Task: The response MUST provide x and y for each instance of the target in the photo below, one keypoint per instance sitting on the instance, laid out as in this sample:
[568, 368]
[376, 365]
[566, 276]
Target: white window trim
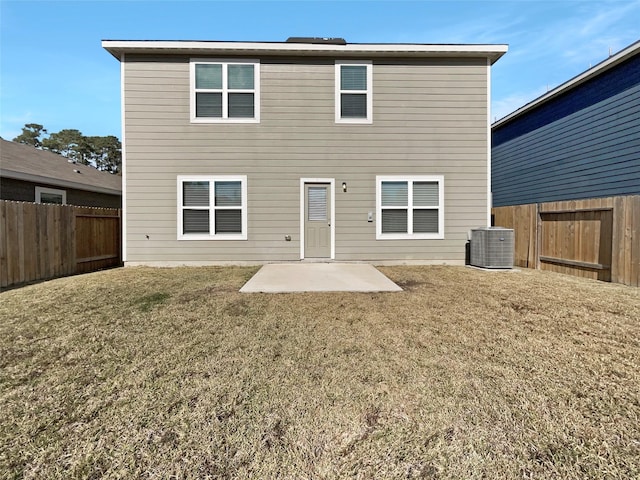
[50, 191]
[369, 91]
[410, 179]
[212, 179]
[225, 91]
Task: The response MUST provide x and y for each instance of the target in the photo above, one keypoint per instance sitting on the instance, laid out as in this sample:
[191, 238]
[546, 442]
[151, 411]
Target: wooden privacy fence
[595, 238]
[40, 241]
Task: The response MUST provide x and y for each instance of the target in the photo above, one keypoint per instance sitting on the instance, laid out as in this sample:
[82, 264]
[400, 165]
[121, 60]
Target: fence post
[538, 236]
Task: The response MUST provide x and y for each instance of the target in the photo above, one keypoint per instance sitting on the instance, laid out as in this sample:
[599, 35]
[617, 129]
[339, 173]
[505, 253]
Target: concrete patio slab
[319, 277]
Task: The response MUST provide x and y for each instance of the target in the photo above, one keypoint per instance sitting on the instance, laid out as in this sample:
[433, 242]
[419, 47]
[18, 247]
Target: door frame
[332, 193]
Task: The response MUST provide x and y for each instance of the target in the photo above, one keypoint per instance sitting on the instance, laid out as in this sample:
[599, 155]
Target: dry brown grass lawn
[170, 373]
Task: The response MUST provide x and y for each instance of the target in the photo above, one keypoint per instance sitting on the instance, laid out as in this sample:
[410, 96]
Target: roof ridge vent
[318, 40]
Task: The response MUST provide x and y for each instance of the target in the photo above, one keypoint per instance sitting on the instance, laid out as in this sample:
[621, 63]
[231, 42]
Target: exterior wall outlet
[370, 217]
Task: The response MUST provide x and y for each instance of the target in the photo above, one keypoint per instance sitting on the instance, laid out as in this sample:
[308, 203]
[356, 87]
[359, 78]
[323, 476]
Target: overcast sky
[53, 70]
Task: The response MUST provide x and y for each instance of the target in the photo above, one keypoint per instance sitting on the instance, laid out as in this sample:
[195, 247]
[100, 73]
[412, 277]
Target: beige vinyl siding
[429, 118]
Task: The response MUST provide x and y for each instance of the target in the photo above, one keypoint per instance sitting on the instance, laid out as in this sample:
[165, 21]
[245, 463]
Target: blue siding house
[579, 140]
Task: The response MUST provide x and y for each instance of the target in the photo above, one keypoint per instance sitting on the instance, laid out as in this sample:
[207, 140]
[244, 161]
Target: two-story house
[579, 140]
[254, 152]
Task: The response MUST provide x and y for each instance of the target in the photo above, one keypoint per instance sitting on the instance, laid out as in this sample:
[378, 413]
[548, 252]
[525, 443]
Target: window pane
[353, 77]
[353, 105]
[195, 194]
[228, 194]
[317, 204]
[208, 76]
[208, 104]
[240, 77]
[228, 221]
[395, 194]
[394, 221]
[425, 194]
[241, 105]
[425, 221]
[195, 221]
[50, 198]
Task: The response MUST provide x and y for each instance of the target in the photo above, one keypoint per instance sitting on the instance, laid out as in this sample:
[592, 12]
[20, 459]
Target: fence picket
[39, 241]
[593, 238]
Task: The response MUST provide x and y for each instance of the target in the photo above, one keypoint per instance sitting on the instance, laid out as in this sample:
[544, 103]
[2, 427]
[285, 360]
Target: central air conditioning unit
[492, 247]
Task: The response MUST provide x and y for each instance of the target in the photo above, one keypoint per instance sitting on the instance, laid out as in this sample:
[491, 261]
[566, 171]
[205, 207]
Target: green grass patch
[147, 302]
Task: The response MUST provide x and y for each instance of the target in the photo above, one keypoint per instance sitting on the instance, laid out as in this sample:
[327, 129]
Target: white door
[317, 220]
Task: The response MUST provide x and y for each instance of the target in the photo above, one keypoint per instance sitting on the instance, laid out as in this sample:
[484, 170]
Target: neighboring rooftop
[326, 40]
[601, 68]
[304, 46]
[24, 162]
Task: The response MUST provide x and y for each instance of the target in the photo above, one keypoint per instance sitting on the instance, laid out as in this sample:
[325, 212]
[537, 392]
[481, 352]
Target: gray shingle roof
[23, 162]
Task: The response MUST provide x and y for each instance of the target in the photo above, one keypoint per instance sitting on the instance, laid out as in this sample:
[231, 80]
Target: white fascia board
[488, 127]
[27, 177]
[123, 163]
[117, 47]
[603, 66]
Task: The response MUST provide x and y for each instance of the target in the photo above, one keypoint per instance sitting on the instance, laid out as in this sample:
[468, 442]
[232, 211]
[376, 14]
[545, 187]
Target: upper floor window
[410, 207]
[225, 91]
[354, 92]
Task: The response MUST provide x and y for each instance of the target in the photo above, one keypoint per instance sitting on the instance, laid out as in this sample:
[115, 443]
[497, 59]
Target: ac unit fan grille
[492, 247]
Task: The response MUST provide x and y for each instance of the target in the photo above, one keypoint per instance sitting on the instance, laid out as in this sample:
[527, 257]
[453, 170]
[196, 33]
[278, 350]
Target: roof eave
[28, 177]
[119, 47]
[603, 66]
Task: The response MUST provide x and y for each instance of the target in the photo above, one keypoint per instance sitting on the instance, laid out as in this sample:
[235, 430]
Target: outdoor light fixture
[344, 186]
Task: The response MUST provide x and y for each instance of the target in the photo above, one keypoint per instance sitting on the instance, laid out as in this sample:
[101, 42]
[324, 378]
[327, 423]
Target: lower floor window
[410, 207]
[212, 207]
